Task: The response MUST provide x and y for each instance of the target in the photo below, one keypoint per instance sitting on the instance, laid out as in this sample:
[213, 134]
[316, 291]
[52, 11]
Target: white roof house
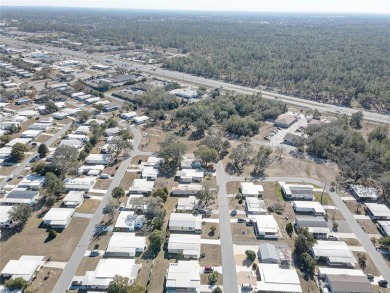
[19, 196]
[30, 133]
[153, 162]
[255, 206]
[378, 211]
[140, 120]
[60, 115]
[335, 252]
[128, 115]
[33, 182]
[72, 142]
[186, 204]
[298, 191]
[185, 222]
[18, 140]
[80, 184]
[5, 221]
[250, 189]
[185, 93]
[81, 137]
[183, 275]
[188, 245]
[125, 245]
[82, 130]
[275, 279]
[364, 193]
[25, 267]
[137, 202]
[189, 175]
[311, 207]
[323, 271]
[58, 217]
[39, 126]
[74, 198]
[128, 221]
[106, 270]
[384, 227]
[186, 189]
[316, 225]
[29, 113]
[142, 186]
[100, 159]
[149, 173]
[112, 131]
[266, 226]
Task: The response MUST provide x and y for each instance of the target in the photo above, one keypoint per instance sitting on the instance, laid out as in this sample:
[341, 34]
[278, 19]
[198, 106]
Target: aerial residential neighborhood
[120, 174]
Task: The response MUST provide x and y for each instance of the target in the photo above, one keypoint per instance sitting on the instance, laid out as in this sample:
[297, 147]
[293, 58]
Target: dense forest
[334, 59]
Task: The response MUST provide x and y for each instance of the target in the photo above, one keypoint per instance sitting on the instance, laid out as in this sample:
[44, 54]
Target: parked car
[370, 277]
[208, 269]
[240, 220]
[332, 237]
[233, 213]
[94, 252]
[104, 176]
[20, 176]
[10, 178]
[383, 283]
[250, 223]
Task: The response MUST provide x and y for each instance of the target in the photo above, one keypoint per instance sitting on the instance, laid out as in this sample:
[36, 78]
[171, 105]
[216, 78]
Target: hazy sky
[360, 6]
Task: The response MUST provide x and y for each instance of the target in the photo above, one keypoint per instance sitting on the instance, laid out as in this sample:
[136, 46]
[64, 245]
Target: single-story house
[384, 227]
[285, 120]
[78, 94]
[153, 162]
[324, 271]
[111, 107]
[292, 139]
[186, 204]
[185, 93]
[185, 222]
[308, 207]
[275, 279]
[72, 142]
[149, 173]
[60, 115]
[183, 276]
[346, 283]
[189, 162]
[140, 120]
[297, 191]
[142, 186]
[90, 169]
[25, 267]
[128, 115]
[128, 221]
[22, 101]
[58, 218]
[80, 137]
[268, 253]
[79, 184]
[189, 175]
[137, 203]
[82, 130]
[188, 245]
[30, 133]
[107, 269]
[336, 253]
[92, 100]
[265, 226]
[364, 193]
[124, 244]
[186, 189]
[33, 182]
[255, 206]
[19, 196]
[29, 113]
[18, 140]
[112, 131]
[378, 211]
[5, 221]
[19, 118]
[250, 189]
[39, 126]
[73, 199]
[71, 111]
[317, 226]
[99, 159]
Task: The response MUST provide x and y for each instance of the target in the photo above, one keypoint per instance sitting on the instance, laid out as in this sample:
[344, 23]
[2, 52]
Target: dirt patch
[354, 207]
[58, 249]
[351, 241]
[45, 280]
[127, 180]
[246, 277]
[6, 170]
[334, 214]
[206, 232]
[370, 267]
[102, 184]
[212, 255]
[368, 226]
[242, 233]
[87, 264]
[101, 240]
[165, 182]
[97, 148]
[308, 285]
[89, 206]
[159, 271]
[135, 160]
[233, 187]
[144, 274]
[151, 139]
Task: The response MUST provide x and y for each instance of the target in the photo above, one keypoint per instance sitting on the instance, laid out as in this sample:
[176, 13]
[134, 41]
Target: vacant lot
[6, 170]
[354, 207]
[159, 271]
[212, 255]
[241, 232]
[45, 280]
[165, 182]
[58, 249]
[102, 184]
[89, 206]
[102, 240]
[368, 226]
[128, 179]
[88, 264]
[370, 267]
[326, 200]
[43, 138]
[206, 231]
[138, 159]
[151, 139]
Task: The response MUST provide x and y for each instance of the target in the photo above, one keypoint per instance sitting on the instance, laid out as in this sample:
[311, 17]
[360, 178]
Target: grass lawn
[369, 226]
[6, 170]
[89, 206]
[102, 184]
[213, 255]
[43, 138]
[136, 159]
[351, 241]
[326, 200]
[45, 280]
[233, 187]
[241, 232]
[206, 232]
[127, 180]
[88, 264]
[102, 241]
[58, 249]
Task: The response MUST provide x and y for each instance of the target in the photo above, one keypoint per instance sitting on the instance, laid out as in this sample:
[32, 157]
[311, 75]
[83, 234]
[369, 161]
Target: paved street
[189, 79]
[26, 161]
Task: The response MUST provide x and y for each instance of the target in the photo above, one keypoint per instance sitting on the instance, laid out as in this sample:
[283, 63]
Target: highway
[195, 80]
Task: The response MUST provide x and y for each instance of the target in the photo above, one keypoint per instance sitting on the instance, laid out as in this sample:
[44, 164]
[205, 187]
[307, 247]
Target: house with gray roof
[268, 253]
[317, 226]
[347, 283]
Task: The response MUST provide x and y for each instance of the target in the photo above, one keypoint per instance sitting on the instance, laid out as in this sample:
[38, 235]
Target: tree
[385, 241]
[214, 141]
[362, 260]
[250, 254]
[4, 139]
[50, 107]
[213, 277]
[52, 234]
[304, 241]
[206, 196]
[206, 155]
[14, 129]
[16, 284]
[17, 151]
[43, 150]
[156, 239]
[158, 223]
[217, 290]
[308, 264]
[120, 145]
[213, 229]
[50, 201]
[65, 159]
[121, 284]
[172, 150]
[289, 229]
[316, 114]
[110, 208]
[20, 213]
[118, 192]
[161, 193]
[53, 184]
[83, 155]
[356, 120]
[261, 160]
[83, 116]
[240, 156]
[276, 207]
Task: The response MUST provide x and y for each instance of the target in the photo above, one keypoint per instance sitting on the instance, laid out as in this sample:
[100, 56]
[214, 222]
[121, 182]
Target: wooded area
[334, 59]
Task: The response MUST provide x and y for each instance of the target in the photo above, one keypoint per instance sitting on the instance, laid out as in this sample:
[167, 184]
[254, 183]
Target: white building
[99, 159]
[72, 142]
[185, 93]
[186, 204]
[74, 199]
[60, 115]
[188, 245]
[255, 206]
[189, 175]
[33, 182]
[82, 130]
[128, 221]
[31, 133]
[112, 131]
[18, 196]
[140, 120]
[58, 218]
[250, 189]
[378, 211]
[336, 253]
[138, 203]
[80, 137]
[153, 162]
[186, 189]
[25, 267]
[79, 184]
[183, 276]
[124, 244]
[5, 221]
[384, 227]
[129, 115]
[185, 222]
[39, 126]
[107, 269]
[18, 140]
[142, 186]
[266, 226]
[149, 173]
[275, 279]
[298, 191]
[364, 193]
[309, 207]
[317, 226]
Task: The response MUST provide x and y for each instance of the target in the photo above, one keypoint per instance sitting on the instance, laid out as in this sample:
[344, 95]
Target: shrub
[52, 234]
[250, 254]
[254, 266]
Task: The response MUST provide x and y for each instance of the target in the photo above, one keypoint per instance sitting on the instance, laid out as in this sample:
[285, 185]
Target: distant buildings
[364, 193]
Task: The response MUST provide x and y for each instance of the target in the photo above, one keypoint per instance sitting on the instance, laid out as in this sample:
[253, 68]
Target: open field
[45, 280]
[206, 232]
[241, 232]
[159, 271]
[89, 206]
[87, 264]
[102, 184]
[212, 255]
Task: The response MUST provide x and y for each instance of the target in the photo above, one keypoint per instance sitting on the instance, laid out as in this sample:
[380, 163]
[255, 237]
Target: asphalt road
[190, 79]
[26, 161]
[228, 264]
[66, 277]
